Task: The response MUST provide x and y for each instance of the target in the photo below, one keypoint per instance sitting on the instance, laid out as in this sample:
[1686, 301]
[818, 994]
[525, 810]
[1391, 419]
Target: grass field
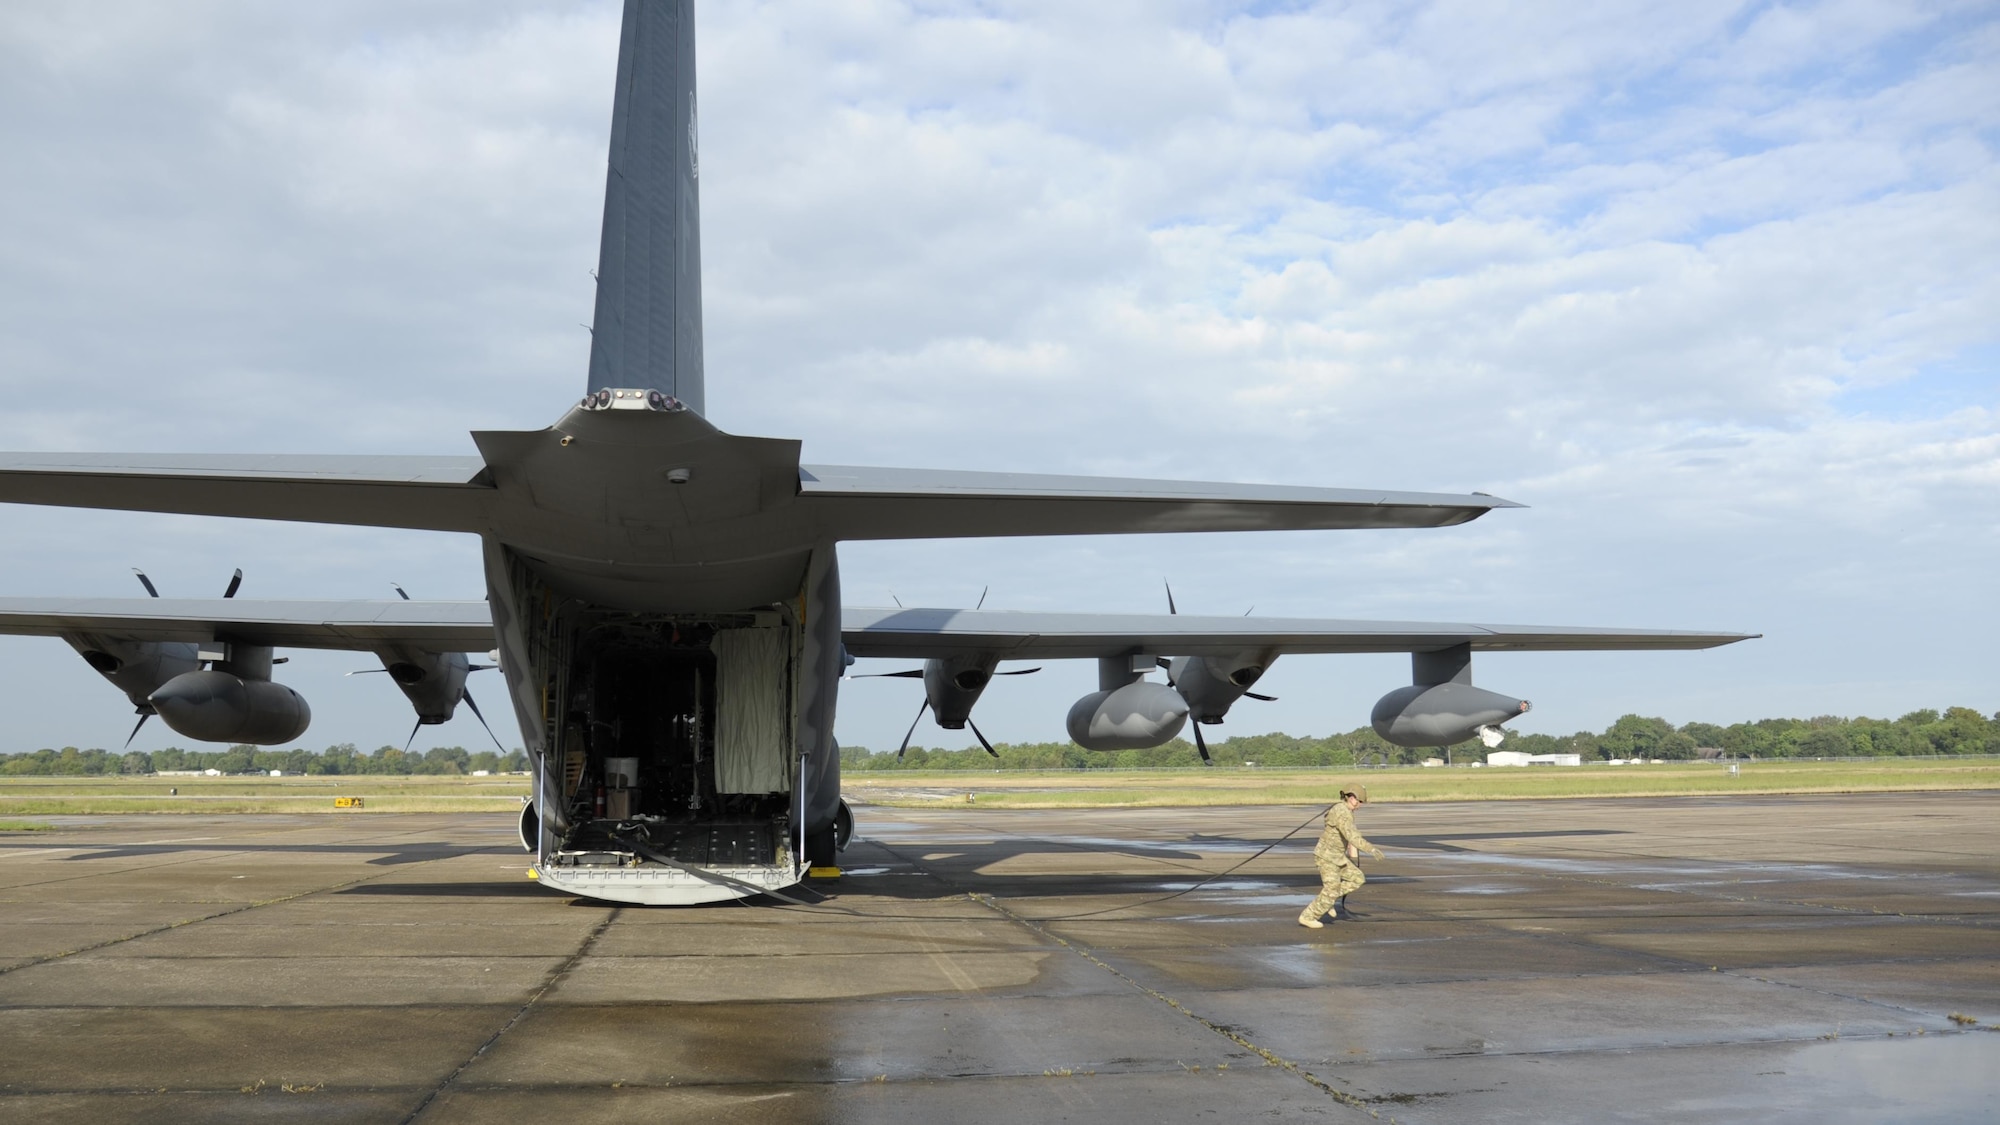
[83, 796]
[1160, 788]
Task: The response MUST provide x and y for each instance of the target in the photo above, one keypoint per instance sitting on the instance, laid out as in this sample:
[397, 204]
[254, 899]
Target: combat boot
[1310, 922]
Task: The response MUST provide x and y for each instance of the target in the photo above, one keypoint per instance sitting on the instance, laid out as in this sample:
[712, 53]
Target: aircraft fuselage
[656, 589]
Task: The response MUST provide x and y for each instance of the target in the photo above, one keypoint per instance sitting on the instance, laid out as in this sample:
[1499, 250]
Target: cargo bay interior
[676, 741]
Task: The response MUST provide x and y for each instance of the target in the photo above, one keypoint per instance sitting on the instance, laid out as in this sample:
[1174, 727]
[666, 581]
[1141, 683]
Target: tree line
[342, 759]
[1956, 730]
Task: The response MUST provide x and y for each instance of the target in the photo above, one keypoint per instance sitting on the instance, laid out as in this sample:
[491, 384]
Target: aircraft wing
[925, 633]
[430, 493]
[467, 626]
[356, 625]
[867, 503]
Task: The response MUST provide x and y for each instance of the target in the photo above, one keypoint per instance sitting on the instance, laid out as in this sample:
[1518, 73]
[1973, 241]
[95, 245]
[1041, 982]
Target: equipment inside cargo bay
[675, 745]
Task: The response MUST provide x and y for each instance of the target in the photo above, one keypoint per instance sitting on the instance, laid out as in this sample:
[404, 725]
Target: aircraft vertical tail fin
[647, 328]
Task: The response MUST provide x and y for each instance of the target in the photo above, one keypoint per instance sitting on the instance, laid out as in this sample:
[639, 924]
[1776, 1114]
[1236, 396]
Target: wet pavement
[1696, 960]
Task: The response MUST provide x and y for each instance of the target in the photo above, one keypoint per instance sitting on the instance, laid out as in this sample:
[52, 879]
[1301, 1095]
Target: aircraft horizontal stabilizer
[852, 502]
[427, 493]
[839, 502]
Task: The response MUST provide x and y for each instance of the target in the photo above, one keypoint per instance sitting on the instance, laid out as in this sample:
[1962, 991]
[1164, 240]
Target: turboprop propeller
[434, 683]
[147, 711]
[951, 686]
[952, 679]
[1210, 684]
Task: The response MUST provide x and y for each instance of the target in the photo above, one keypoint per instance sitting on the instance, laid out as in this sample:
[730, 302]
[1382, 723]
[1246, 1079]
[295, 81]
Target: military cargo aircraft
[664, 597]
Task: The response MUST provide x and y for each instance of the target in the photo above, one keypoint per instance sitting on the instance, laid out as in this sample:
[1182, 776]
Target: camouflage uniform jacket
[1340, 835]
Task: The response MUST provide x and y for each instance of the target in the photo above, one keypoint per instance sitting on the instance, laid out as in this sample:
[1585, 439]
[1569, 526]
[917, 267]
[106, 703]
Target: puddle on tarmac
[1306, 964]
[1931, 1080]
[1690, 873]
[890, 825]
[1227, 885]
[1112, 844]
[1318, 962]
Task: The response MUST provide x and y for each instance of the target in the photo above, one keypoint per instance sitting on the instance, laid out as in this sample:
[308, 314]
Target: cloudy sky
[1711, 286]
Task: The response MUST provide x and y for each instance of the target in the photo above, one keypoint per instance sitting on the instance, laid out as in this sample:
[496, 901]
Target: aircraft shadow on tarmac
[964, 861]
[967, 865]
[512, 888]
[385, 855]
[963, 866]
[1442, 841]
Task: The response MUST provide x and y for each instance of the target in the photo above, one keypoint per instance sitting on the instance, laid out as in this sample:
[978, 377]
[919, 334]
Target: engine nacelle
[1138, 716]
[1213, 684]
[137, 668]
[433, 682]
[217, 706]
[953, 684]
[1441, 714]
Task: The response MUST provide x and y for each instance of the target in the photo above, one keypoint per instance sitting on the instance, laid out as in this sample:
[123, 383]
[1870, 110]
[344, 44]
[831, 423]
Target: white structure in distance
[1517, 758]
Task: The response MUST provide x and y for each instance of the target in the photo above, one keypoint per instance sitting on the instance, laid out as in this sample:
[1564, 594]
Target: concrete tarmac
[1694, 960]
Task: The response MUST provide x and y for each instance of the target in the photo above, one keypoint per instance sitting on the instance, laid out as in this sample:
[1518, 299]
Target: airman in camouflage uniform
[1338, 849]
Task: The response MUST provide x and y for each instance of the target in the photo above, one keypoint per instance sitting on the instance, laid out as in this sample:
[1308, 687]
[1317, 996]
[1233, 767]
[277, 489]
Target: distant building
[1517, 758]
[482, 773]
[277, 773]
[1434, 761]
[211, 773]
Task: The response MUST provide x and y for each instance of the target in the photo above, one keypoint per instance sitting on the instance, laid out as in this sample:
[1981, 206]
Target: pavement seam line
[555, 976]
[1718, 896]
[190, 922]
[128, 870]
[227, 853]
[1268, 1055]
[1851, 997]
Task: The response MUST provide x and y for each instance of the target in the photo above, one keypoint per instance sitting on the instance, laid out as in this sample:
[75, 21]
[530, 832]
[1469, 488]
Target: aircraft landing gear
[820, 849]
[823, 846]
[531, 826]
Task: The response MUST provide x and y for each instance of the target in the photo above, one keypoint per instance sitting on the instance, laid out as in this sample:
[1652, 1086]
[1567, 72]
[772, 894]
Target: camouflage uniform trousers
[1338, 876]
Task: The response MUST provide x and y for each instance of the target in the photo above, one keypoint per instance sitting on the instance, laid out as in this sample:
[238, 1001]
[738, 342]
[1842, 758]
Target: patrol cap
[1359, 793]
